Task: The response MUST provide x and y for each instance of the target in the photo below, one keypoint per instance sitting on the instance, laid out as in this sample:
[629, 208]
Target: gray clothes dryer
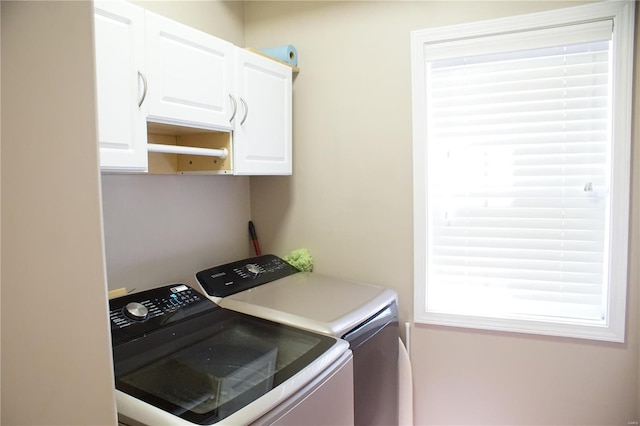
[364, 315]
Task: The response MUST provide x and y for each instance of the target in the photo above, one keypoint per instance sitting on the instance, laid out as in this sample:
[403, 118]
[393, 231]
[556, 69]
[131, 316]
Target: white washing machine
[179, 359]
[364, 315]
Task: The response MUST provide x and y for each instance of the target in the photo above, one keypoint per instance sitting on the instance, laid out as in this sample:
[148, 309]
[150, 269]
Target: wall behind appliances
[163, 229]
[349, 202]
[56, 349]
[224, 19]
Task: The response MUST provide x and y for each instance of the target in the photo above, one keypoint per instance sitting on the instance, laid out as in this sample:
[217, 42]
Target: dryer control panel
[231, 278]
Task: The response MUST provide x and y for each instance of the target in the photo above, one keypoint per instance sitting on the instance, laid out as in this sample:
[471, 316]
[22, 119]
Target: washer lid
[314, 302]
[200, 363]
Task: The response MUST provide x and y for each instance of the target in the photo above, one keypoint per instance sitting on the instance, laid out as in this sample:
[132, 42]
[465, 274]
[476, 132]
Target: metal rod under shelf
[188, 150]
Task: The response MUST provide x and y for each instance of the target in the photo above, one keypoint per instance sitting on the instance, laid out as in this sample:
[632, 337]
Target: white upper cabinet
[262, 137]
[152, 69]
[190, 75]
[119, 47]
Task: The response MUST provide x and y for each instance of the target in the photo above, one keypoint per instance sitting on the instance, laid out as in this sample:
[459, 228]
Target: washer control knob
[136, 311]
[253, 269]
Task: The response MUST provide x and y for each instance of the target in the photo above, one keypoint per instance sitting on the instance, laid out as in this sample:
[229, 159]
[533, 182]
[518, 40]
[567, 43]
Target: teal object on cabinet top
[286, 53]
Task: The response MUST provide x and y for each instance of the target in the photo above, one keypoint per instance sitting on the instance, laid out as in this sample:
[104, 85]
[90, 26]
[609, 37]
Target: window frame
[622, 14]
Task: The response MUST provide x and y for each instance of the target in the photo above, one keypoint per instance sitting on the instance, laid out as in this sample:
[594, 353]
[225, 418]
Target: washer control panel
[143, 312]
[225, 280]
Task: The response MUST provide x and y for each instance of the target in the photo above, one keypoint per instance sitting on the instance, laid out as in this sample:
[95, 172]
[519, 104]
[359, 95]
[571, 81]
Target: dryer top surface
[313, 301]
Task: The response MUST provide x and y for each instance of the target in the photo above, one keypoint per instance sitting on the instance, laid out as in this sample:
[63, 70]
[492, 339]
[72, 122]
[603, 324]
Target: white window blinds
[518, 182]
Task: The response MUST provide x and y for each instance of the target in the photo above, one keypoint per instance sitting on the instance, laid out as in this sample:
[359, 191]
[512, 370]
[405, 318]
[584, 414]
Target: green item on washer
[300, 259]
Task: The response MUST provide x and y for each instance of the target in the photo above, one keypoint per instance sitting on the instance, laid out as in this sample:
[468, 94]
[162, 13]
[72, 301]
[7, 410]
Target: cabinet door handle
[235, 107]
[246, 110]
[144, 85]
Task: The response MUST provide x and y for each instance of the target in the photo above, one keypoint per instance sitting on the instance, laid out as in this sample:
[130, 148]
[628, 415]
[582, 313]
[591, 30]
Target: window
[521, 135]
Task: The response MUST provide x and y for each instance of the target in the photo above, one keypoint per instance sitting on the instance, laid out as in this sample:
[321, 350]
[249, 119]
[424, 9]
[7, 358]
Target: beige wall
[634, 245]
[350, 203]
[224, 19]
[56, 352]
[163, 229]
[0, 204]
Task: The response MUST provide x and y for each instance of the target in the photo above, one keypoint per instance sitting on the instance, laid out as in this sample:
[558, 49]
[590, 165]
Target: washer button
[136, 311]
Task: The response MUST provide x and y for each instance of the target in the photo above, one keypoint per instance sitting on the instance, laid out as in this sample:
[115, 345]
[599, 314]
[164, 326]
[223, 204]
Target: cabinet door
[190, 75]
[119, 43]
[262, 136]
